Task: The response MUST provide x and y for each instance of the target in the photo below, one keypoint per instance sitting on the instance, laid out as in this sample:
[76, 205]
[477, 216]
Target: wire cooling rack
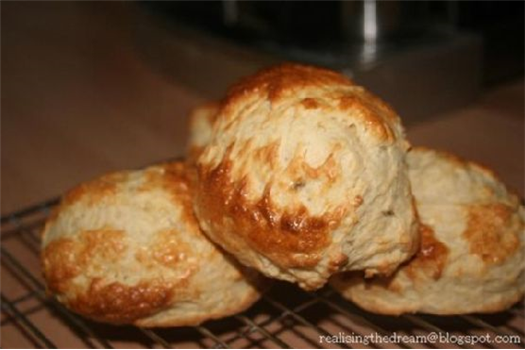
[285, 317]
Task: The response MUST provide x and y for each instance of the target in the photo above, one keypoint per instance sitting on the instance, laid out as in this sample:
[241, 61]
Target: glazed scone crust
[472, 257]
[126, 248]
[304, 176]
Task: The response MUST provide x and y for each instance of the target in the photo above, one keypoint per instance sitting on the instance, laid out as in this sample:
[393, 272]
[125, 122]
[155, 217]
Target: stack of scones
[299, 175]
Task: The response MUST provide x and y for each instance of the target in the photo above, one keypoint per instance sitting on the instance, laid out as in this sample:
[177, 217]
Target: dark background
[78, 99]
[319, 25]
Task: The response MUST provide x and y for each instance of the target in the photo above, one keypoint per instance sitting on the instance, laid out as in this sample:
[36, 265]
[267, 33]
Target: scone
[305, 176]
[201, 124]
[472, 256]
[126, 248]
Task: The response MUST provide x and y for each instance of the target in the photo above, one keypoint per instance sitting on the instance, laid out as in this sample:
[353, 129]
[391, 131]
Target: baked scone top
[302, 168]
[126, 248]
[312, 88]
[472, 253]
[493, 214]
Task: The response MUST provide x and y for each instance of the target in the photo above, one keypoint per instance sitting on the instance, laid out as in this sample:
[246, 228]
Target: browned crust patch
[165, 250]
[431, 258]
[118, 303]
[276, 81]
[492, 231]
[268, 154]
[277, 235]
[194, 153]
[310, 103]
[64, 259]
[106, 244]
[59, 264]
[376, 114]
[429, 261]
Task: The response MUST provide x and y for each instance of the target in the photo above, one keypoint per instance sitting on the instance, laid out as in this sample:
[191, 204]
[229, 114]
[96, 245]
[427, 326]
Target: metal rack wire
[285, 317]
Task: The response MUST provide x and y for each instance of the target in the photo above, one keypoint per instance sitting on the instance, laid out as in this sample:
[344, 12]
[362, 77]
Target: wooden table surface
[77, 101]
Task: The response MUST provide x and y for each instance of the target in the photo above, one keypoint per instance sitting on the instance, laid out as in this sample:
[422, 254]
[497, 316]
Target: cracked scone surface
[304, 175]
[472, 256]
[126, 248]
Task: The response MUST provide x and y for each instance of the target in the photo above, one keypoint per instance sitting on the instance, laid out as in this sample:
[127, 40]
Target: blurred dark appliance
[413, 54]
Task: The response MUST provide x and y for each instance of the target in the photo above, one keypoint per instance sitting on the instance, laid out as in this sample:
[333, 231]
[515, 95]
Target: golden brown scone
[201, 124]
[126, 248]
[472, 256]
[305, 176]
